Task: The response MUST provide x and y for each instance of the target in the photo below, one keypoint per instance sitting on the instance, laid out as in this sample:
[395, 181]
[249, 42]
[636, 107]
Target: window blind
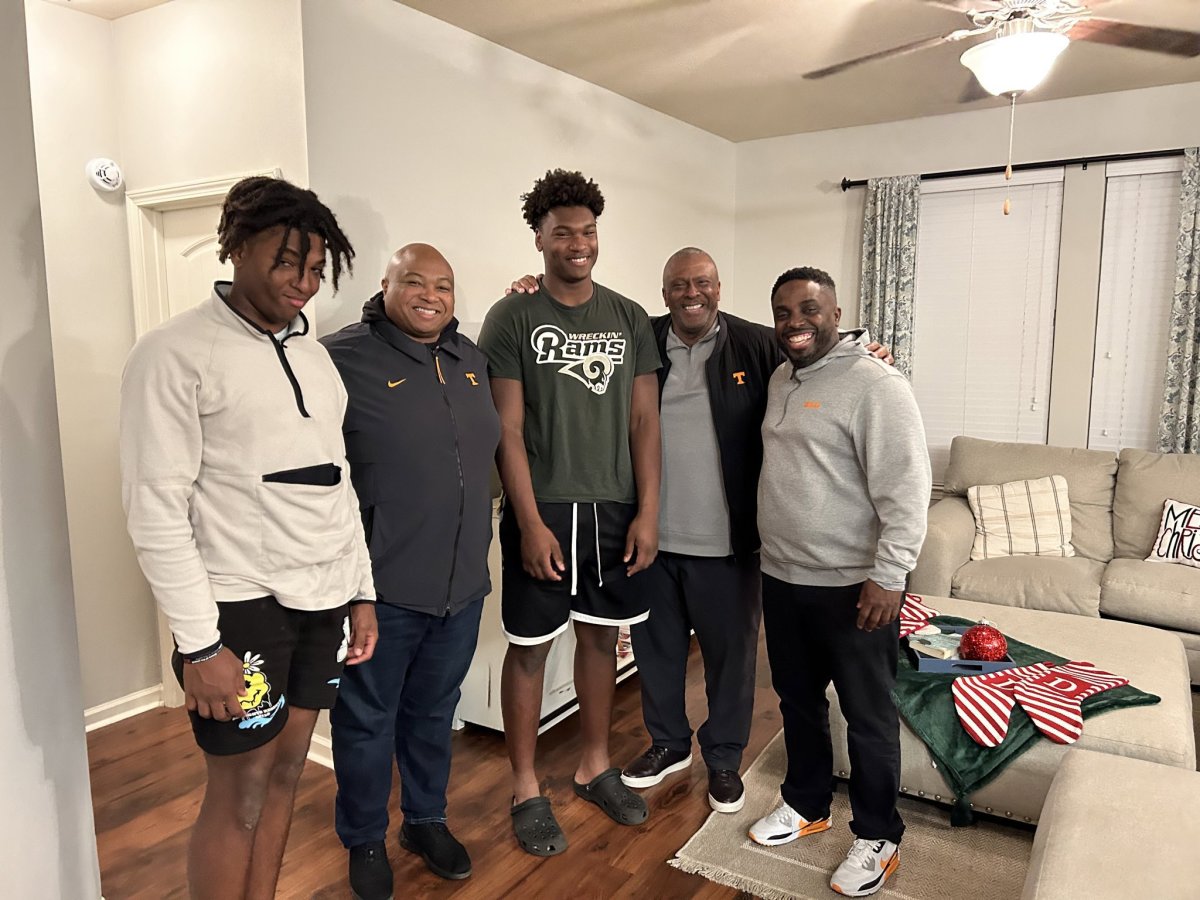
[1137, 278]
[984, 315]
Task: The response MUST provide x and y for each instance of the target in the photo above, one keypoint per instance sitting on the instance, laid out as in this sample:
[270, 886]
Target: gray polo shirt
[693, 516]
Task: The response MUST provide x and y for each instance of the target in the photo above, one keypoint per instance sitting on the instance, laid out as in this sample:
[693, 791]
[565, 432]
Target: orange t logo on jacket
[471, 378]
[739, 377]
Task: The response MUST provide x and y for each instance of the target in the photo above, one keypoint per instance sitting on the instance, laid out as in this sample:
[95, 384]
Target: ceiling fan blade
[973, 91]
[922, 44]
[1173, 41]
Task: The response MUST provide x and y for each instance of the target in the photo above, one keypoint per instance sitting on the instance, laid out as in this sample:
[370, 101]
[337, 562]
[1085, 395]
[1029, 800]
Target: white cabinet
[480, 703]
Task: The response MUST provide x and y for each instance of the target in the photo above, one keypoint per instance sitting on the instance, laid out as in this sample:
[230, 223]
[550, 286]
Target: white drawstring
[574, 551]
[596, 523]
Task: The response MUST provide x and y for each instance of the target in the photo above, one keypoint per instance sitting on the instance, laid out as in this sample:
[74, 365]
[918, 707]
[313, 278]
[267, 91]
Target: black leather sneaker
[442, 852]
[370, 872]
[654, 765]
[725, 791]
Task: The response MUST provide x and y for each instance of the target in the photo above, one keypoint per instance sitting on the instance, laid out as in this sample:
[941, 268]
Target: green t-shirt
[576, 365]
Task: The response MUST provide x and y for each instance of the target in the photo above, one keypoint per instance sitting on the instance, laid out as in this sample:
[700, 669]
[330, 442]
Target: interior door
[189, 244]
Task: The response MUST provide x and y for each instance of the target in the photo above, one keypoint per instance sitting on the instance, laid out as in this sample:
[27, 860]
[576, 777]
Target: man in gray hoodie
[841, 510]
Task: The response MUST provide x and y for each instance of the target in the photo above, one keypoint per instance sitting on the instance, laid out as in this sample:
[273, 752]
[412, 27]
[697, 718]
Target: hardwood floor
[148, 775]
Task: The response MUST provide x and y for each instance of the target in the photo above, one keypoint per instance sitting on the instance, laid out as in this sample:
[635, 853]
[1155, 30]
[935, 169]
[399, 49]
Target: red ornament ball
[983, 643]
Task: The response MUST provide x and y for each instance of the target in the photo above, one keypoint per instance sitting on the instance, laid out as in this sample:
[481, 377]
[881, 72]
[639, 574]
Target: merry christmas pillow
[1178, 538]
[1021, 518]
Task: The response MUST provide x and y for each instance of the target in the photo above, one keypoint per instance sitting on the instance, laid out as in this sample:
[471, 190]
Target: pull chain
[1012, 119]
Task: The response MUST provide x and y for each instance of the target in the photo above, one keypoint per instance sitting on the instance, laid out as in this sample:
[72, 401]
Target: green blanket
[925, 702]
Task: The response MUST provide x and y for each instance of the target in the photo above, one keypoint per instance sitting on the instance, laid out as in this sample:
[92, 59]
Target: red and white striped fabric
[914, 615]
[984, 702]
[1052, 699]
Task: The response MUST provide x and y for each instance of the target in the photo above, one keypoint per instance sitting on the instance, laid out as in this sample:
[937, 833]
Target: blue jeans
[401, 702]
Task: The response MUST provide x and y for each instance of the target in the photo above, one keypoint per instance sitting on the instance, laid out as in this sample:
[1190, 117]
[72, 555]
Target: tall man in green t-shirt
[573, 376]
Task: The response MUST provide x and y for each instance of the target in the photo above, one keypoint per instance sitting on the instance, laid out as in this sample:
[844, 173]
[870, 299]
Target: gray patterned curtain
[889, 264]
[1179, 431]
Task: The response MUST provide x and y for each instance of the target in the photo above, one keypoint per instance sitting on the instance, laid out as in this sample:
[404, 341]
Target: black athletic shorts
[594, 587]
[289, 658]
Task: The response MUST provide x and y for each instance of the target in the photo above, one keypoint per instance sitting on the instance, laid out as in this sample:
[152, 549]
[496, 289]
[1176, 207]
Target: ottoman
[1152, 659]
[1114, 828]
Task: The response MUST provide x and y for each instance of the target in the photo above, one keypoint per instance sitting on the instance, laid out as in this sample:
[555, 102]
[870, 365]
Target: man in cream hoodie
[841, 510]
[240, 507]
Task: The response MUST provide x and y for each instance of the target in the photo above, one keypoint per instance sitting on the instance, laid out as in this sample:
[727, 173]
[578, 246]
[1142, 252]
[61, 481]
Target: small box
[924, 663]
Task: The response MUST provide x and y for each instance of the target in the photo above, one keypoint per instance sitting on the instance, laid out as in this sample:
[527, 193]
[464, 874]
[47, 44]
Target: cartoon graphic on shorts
[260, 711]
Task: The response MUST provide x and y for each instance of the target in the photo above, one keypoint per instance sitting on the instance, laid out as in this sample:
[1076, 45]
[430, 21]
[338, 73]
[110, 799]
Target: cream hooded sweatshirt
[233, 470]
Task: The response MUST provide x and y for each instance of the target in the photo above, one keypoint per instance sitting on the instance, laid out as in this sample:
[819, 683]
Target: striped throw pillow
[1021, 518]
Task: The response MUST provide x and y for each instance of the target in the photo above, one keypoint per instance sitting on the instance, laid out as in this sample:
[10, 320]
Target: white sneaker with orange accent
[783, 825]
[867, 867]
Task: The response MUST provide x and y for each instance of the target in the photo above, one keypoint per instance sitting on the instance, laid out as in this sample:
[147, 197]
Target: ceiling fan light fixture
[1014, 63]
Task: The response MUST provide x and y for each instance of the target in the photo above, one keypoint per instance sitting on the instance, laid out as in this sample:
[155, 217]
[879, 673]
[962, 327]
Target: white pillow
[1178, 539]
[1021, 518]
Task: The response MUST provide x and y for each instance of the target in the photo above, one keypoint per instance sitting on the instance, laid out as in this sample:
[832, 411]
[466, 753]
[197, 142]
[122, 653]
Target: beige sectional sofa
[1113, 828]
[1116, 505]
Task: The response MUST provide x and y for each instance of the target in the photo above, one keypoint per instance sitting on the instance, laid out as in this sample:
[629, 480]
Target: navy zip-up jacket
[421, 435]
[737, 373]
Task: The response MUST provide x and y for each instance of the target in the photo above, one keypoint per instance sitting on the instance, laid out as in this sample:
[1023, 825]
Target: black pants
[719, 598]
[812, 639]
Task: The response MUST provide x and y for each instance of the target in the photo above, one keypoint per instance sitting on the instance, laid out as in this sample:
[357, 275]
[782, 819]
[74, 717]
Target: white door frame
[148, 268]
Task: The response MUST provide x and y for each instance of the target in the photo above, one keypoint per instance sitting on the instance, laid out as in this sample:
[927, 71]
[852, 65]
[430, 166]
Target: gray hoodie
[845, 478]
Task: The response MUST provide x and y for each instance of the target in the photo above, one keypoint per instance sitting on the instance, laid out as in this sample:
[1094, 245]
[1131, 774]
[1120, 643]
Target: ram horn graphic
[594, 371]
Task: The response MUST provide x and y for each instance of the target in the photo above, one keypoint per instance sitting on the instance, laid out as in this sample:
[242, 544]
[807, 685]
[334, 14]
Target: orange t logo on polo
[812, 404]
[471, 378]
[739, 377]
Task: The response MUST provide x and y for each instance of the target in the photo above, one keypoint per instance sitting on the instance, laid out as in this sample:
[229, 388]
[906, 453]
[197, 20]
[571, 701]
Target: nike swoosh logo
[397, 383]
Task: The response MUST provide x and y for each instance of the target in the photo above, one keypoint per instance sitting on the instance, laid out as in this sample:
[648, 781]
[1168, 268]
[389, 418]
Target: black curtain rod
[1049, 164]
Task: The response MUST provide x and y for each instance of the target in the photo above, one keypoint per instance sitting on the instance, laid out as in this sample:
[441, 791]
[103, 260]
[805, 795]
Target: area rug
[986, 861]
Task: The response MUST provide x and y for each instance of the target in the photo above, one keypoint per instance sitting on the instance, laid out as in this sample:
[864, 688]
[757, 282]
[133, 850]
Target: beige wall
[791, 211]
[47, 837]
[73, 78]
[191, 90]
[421, 131]
[209, 89]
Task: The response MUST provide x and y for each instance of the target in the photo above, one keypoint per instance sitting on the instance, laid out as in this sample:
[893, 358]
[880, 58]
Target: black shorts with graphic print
[594, 587]
[289, 658]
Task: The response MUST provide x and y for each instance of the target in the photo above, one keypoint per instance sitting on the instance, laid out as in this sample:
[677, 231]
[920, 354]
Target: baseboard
[122, 708]
[320, 751]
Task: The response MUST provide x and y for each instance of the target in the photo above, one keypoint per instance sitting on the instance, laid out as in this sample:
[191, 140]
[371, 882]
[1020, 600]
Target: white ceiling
[733, 67]
[108, 9]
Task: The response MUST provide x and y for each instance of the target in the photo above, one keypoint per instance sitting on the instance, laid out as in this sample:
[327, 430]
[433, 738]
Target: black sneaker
[370, 872]
[725, 791]
[442, 852]
[654, 765]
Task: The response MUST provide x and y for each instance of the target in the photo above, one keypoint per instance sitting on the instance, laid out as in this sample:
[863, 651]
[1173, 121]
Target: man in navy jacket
[421, 433]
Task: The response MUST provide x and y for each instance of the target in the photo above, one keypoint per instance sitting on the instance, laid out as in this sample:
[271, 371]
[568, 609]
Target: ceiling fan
[1003, 18]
